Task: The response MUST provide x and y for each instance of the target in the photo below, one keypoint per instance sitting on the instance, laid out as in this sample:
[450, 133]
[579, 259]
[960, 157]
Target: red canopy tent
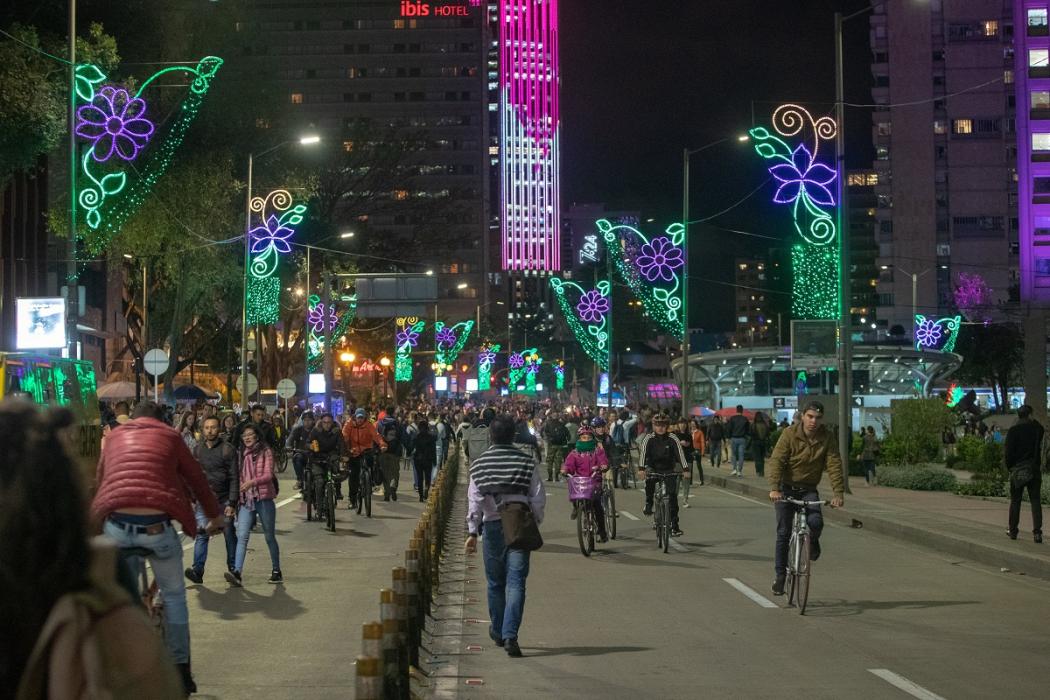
[727, 412]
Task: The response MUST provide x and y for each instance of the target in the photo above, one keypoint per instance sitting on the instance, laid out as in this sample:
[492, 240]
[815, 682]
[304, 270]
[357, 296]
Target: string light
[269, 241]
[449, 342]
[104, 212]
[815, 282]
[405, 341]
[315, 335]
[559, 375]
[940, 334]
[524, 364]
[588, 319]
[651, 268]
[486, 358]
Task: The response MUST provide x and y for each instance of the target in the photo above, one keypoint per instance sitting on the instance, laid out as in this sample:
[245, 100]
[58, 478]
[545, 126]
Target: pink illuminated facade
[529, 129]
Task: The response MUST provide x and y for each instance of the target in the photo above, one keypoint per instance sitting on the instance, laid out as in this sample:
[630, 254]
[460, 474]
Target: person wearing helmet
[604, 440]
[662, 454]
[588, 459]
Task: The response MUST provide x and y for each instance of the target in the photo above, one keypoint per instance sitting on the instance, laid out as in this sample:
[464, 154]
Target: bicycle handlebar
[795, 501]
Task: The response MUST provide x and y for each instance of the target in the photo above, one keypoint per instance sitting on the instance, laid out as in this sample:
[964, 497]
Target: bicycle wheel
[307, 492]
[318, 498]
[366, 497]
[362, 486]
[803, 572]
[665, 525]
[329, 505]
[658, 524]
[581, 527]
[592, 526]
[610, 512]
[792, 570]
[281, 461]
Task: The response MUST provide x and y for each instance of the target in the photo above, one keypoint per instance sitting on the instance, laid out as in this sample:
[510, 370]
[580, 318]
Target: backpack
[477, 441]
[388, 429]
[619, 435]
[558, 434]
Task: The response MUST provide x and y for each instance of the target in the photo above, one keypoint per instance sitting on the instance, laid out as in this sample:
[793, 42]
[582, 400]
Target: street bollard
[400, 576]
[388, 613]
[372, 640]
[367, 685]
[412, 585]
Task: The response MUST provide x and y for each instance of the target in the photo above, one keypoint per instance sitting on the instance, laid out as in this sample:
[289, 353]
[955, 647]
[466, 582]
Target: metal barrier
[390, 649]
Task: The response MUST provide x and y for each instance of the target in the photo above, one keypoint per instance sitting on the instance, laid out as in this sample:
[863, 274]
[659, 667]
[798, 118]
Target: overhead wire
[39, 50]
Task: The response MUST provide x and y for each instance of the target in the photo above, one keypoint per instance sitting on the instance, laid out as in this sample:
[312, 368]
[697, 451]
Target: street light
[307, 140]
[686, 154]
[347, 234]
[914, 290]
[347, 357]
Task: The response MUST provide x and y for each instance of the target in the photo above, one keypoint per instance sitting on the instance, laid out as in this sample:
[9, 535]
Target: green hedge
[917, 478]
[980, 487]
[980, 457]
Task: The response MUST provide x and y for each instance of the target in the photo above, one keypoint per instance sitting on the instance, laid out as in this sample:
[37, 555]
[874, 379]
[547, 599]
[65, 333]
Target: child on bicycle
[588, 459]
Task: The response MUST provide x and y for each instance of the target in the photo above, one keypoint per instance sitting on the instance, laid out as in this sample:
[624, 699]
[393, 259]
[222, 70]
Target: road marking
[629, 516]
[743, 498]
[750, 593]
[904, 684]
[678, 547]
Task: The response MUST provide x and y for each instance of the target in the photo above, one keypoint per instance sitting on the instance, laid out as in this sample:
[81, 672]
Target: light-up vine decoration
[449, 342]
[114, 122]
[269, 241]
[652, 268]
[315, 328]
[954, 395]
[525, 364]
[804, 183]
[587, 314]
[973, 297]
[405, 341]
[559, 375]
[801, 383]
[486, 359]
[937, 334]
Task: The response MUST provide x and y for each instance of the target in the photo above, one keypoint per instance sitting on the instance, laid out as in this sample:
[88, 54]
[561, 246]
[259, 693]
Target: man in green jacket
[803, 453]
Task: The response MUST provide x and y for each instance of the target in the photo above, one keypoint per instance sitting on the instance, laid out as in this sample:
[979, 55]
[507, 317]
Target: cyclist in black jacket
[663, 453]
[300, 440]
[326, 442]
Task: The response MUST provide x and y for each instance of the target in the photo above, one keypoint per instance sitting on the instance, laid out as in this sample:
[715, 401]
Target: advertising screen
[40, 323]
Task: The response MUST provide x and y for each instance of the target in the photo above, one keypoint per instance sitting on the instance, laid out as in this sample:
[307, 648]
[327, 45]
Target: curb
[943, 542]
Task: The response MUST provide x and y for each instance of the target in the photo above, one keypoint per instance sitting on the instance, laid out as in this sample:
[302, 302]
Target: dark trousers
[424, 472]
[758, 447]
[1037, 507]
[672, 493]
[298, 463]
[388, 464]
[785, 518]
[353, 482]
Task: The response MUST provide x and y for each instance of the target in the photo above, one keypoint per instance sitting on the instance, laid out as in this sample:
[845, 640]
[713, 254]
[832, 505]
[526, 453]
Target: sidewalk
[963, 526]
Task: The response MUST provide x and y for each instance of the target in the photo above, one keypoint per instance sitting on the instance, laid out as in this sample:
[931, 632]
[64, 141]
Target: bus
[56, 381]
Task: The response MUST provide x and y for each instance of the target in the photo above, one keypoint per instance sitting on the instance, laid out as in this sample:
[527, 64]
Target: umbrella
[191, 392]
[114, 391]
[702, 411]
[729, 412]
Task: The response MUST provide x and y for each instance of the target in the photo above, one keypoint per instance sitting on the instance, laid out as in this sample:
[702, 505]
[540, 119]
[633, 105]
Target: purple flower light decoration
[533, 368]
[273, 233]
[559, 370]
[803, 177]
[928, 333]
[659, 259]
[316, 318]
[517, 361]
[486, 357]
[408, 336]
[446, 337]
[593, 306]
[115, 122]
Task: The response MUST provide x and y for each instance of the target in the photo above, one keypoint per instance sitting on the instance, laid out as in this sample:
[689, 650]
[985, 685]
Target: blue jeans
[267, 512]
[506, 571]
[167, 568]
[715, 452]
[736, 451]
[785, 519]
[200, 545]
[298, 464]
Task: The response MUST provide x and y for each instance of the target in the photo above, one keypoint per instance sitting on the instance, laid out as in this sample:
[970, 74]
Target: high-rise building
[864, 275]
[754, 324]
[405, 65]
[946, 196]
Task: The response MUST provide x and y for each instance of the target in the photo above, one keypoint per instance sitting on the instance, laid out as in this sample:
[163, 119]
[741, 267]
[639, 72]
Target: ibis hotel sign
[418, 8]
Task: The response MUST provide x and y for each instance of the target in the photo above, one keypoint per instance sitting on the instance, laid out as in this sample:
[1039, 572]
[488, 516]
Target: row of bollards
[390, 647]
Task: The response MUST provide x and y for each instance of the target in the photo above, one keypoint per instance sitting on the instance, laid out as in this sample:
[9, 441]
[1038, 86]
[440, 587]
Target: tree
[992, 355]
[34, 91]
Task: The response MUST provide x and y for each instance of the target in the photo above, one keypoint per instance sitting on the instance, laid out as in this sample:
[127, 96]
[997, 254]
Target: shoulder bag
[520, 529]
[1022, 474]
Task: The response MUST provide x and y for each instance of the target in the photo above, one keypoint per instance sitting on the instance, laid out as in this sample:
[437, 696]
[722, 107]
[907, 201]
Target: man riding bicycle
[361, 437]
[299, 442]
[325, 445]
[803, 453]
[663, 455]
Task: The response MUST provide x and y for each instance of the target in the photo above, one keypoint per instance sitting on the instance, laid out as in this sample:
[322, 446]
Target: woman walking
[684, 436]
[699, 449]
[869, 450]
[760, 430]
[424, 457]
[188, 428]
[257, 494]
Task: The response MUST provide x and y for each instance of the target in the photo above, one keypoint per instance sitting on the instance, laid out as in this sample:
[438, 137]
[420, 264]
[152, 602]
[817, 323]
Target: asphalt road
[700, 621]
[298, 640]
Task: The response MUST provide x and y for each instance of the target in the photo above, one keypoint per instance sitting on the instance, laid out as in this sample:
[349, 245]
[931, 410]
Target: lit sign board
[316, 384]
[440, 383]
[415, 8]
[40, 323]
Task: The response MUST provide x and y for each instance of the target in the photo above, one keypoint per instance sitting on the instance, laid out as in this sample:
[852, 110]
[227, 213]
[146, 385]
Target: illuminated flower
[533, 368]
[517, 361]
[446, 337]
[407, 337]
[593, 306]
[316, 318]
[928, 333]
[803, 176]
[559, 370]
[115, 123]
[273, 233]
[659, 259]
[486, 357]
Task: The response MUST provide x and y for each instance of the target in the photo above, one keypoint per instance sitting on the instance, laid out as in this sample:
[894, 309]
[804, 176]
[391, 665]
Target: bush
[917, 478]
[916, 429]
[981, 487]
[892, 451]
[981, 457]
[954, 462]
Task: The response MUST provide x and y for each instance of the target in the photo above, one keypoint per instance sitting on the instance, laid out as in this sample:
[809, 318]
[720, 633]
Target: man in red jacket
[146, 478]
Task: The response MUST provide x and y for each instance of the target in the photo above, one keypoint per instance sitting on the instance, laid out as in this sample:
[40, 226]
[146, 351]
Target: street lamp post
[304, 141]
[914, 290]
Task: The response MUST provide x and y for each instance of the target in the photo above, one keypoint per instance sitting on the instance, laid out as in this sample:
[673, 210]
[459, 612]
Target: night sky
[643, 80]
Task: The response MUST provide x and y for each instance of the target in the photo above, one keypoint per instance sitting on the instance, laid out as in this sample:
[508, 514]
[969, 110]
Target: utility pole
[609, 276]
[72, 290]
[845, 283]
[685, 284]
[328, 350]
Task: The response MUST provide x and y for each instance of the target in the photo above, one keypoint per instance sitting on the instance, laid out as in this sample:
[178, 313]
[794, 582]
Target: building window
[940, 126]
[1037, 25]
[348, 146]
[1040, 100]
[962, 126]
[991, 27]
[297, 98]
[882, 153]
[1038, 59]
[400, 195]
[399, 24]
[1041, 143]
[883, 128]
[1008, 77]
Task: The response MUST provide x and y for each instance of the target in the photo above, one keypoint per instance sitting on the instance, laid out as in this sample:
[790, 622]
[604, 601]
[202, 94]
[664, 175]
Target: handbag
[520, 529]
[1022, 474]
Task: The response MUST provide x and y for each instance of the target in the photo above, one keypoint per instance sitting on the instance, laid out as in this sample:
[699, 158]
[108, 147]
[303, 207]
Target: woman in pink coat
[588, 459]
[257, 494]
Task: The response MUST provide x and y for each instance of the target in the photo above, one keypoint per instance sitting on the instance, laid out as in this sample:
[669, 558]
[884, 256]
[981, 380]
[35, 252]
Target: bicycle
[281, 457]
[133, 561]
[581, 493]
[324, 493]
[366, 484]
[661, 508]
[609, 505]
[798, 570]
[307, 491]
